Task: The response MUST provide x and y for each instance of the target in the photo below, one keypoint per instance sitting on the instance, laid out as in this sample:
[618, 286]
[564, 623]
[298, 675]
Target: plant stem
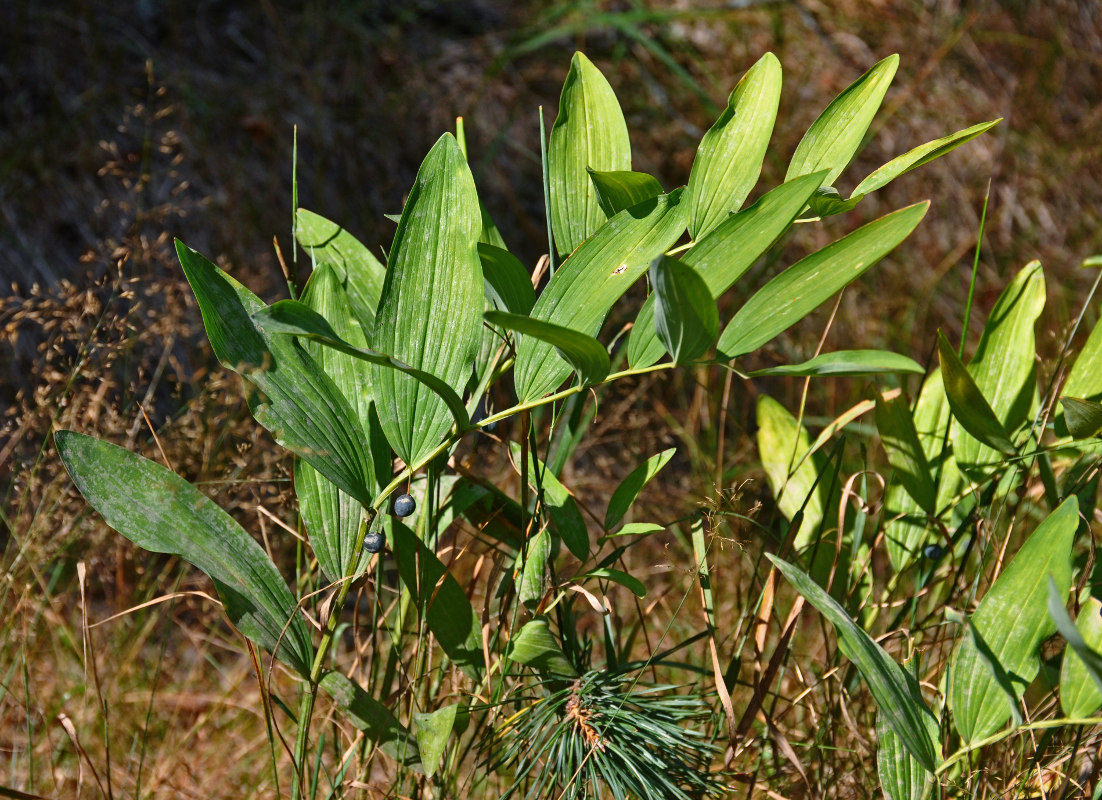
[998, 737]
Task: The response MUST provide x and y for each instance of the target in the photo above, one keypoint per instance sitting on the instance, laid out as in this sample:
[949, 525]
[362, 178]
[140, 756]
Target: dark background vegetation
[123, 124]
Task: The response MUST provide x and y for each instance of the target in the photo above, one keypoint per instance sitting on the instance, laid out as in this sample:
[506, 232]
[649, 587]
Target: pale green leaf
[728, 160]
[782, 445]
[559, 503]
[629, 582]
[796, 292]
[159, 511]
[847, 363]
[535, 647]
[1012, 620]
[619, 190]
[430, 310]
[1085, 377]
[1081, 672]
[433, 731]
[833, 139]
[685, 314]
[589, 133]
[533, 568]
[630, 487]
[905, 453]
[902, 776]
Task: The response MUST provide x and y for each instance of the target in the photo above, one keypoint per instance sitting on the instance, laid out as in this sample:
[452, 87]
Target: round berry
[404, 505]
[933, 552]
[374, 542]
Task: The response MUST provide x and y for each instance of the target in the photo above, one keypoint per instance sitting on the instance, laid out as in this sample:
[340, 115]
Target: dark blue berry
[404, 505]
[374, 542]
[933, 552]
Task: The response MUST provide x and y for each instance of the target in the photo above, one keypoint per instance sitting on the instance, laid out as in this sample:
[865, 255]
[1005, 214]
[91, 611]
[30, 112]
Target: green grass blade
[159, 511]
[729, 158]
[796, 292]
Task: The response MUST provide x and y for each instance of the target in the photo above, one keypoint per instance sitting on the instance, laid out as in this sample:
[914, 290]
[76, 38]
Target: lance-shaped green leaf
[1012, 620]
[796, 292]
[619, 190]
[373, 718]
[1004, 365]
[1085, 378]
[294, 398]
[293, 318]
[433, 730]
[566, 517]
[782, 444]
[895, 691]
[1081, 672]
[1083, 418]
[430, 310]
[685, 314]
[724, 255]
[826, 202]
[905, 453]
[847, 363]
[440, 599]
[587, 284]
[729, 158]
[507, 284]
[923, 154]
[536, 647]
[833, 139]
[584, 353]
[532, 568]
[159, 511]
[629, 582]
[359, 271]
[589, 133]
[902, 776]
[630, 487]
[970, 408]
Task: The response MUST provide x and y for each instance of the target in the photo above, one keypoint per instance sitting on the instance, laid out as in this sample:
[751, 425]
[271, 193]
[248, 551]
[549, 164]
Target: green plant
[378, 361]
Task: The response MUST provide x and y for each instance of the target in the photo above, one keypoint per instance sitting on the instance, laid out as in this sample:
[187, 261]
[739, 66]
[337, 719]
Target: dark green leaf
[586, 355]
[685, 315]
[827, 202]
[902, 777]
[430, 310]
[372, 717]
[589, 133]
[294, 398]
[896, 693]
[905, 453]
[724, 255]
[629, 582]
[159, 511]
[508, 285]
[796, 292]
[535, 647]
[728, 160]
[1083, 417]
[629, 489]
[969, 406]
[847, 363]
[619, 190]
[587, 284]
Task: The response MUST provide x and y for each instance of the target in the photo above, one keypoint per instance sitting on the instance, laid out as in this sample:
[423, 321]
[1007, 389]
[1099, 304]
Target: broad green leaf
[358, 270]
[970, 408]
[629, 582]
[1004, 366]
[833, 139]
[685, 314]
[292, 318]
[533, 567]
[159, 511]
[796, 292]
[902, 776]
[847, 363]
[561, 507]
[630, 487]
[1082, 417]
[430, 310]
[372, 717]
[728, 160]
[895, 691]
[293, 397]
[905, 453]
[1081, 672]
[584, 353]
[433, 730]
[826, 202]
[440, 599]
[923, 154]
[1012, 620]
[508, 286]
[333, 517]
[619, 190]
[587, 284]
[724, 255]
[589, 133]
[782, 444]
[536, 647]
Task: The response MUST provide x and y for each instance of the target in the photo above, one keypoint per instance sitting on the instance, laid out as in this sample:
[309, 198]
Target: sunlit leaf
[630, 487]
[847, 363]
[619, 190]
[782, 445]
[1081, 673]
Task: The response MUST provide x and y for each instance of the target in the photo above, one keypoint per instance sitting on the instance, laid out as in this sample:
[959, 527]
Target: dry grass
[99, 326]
